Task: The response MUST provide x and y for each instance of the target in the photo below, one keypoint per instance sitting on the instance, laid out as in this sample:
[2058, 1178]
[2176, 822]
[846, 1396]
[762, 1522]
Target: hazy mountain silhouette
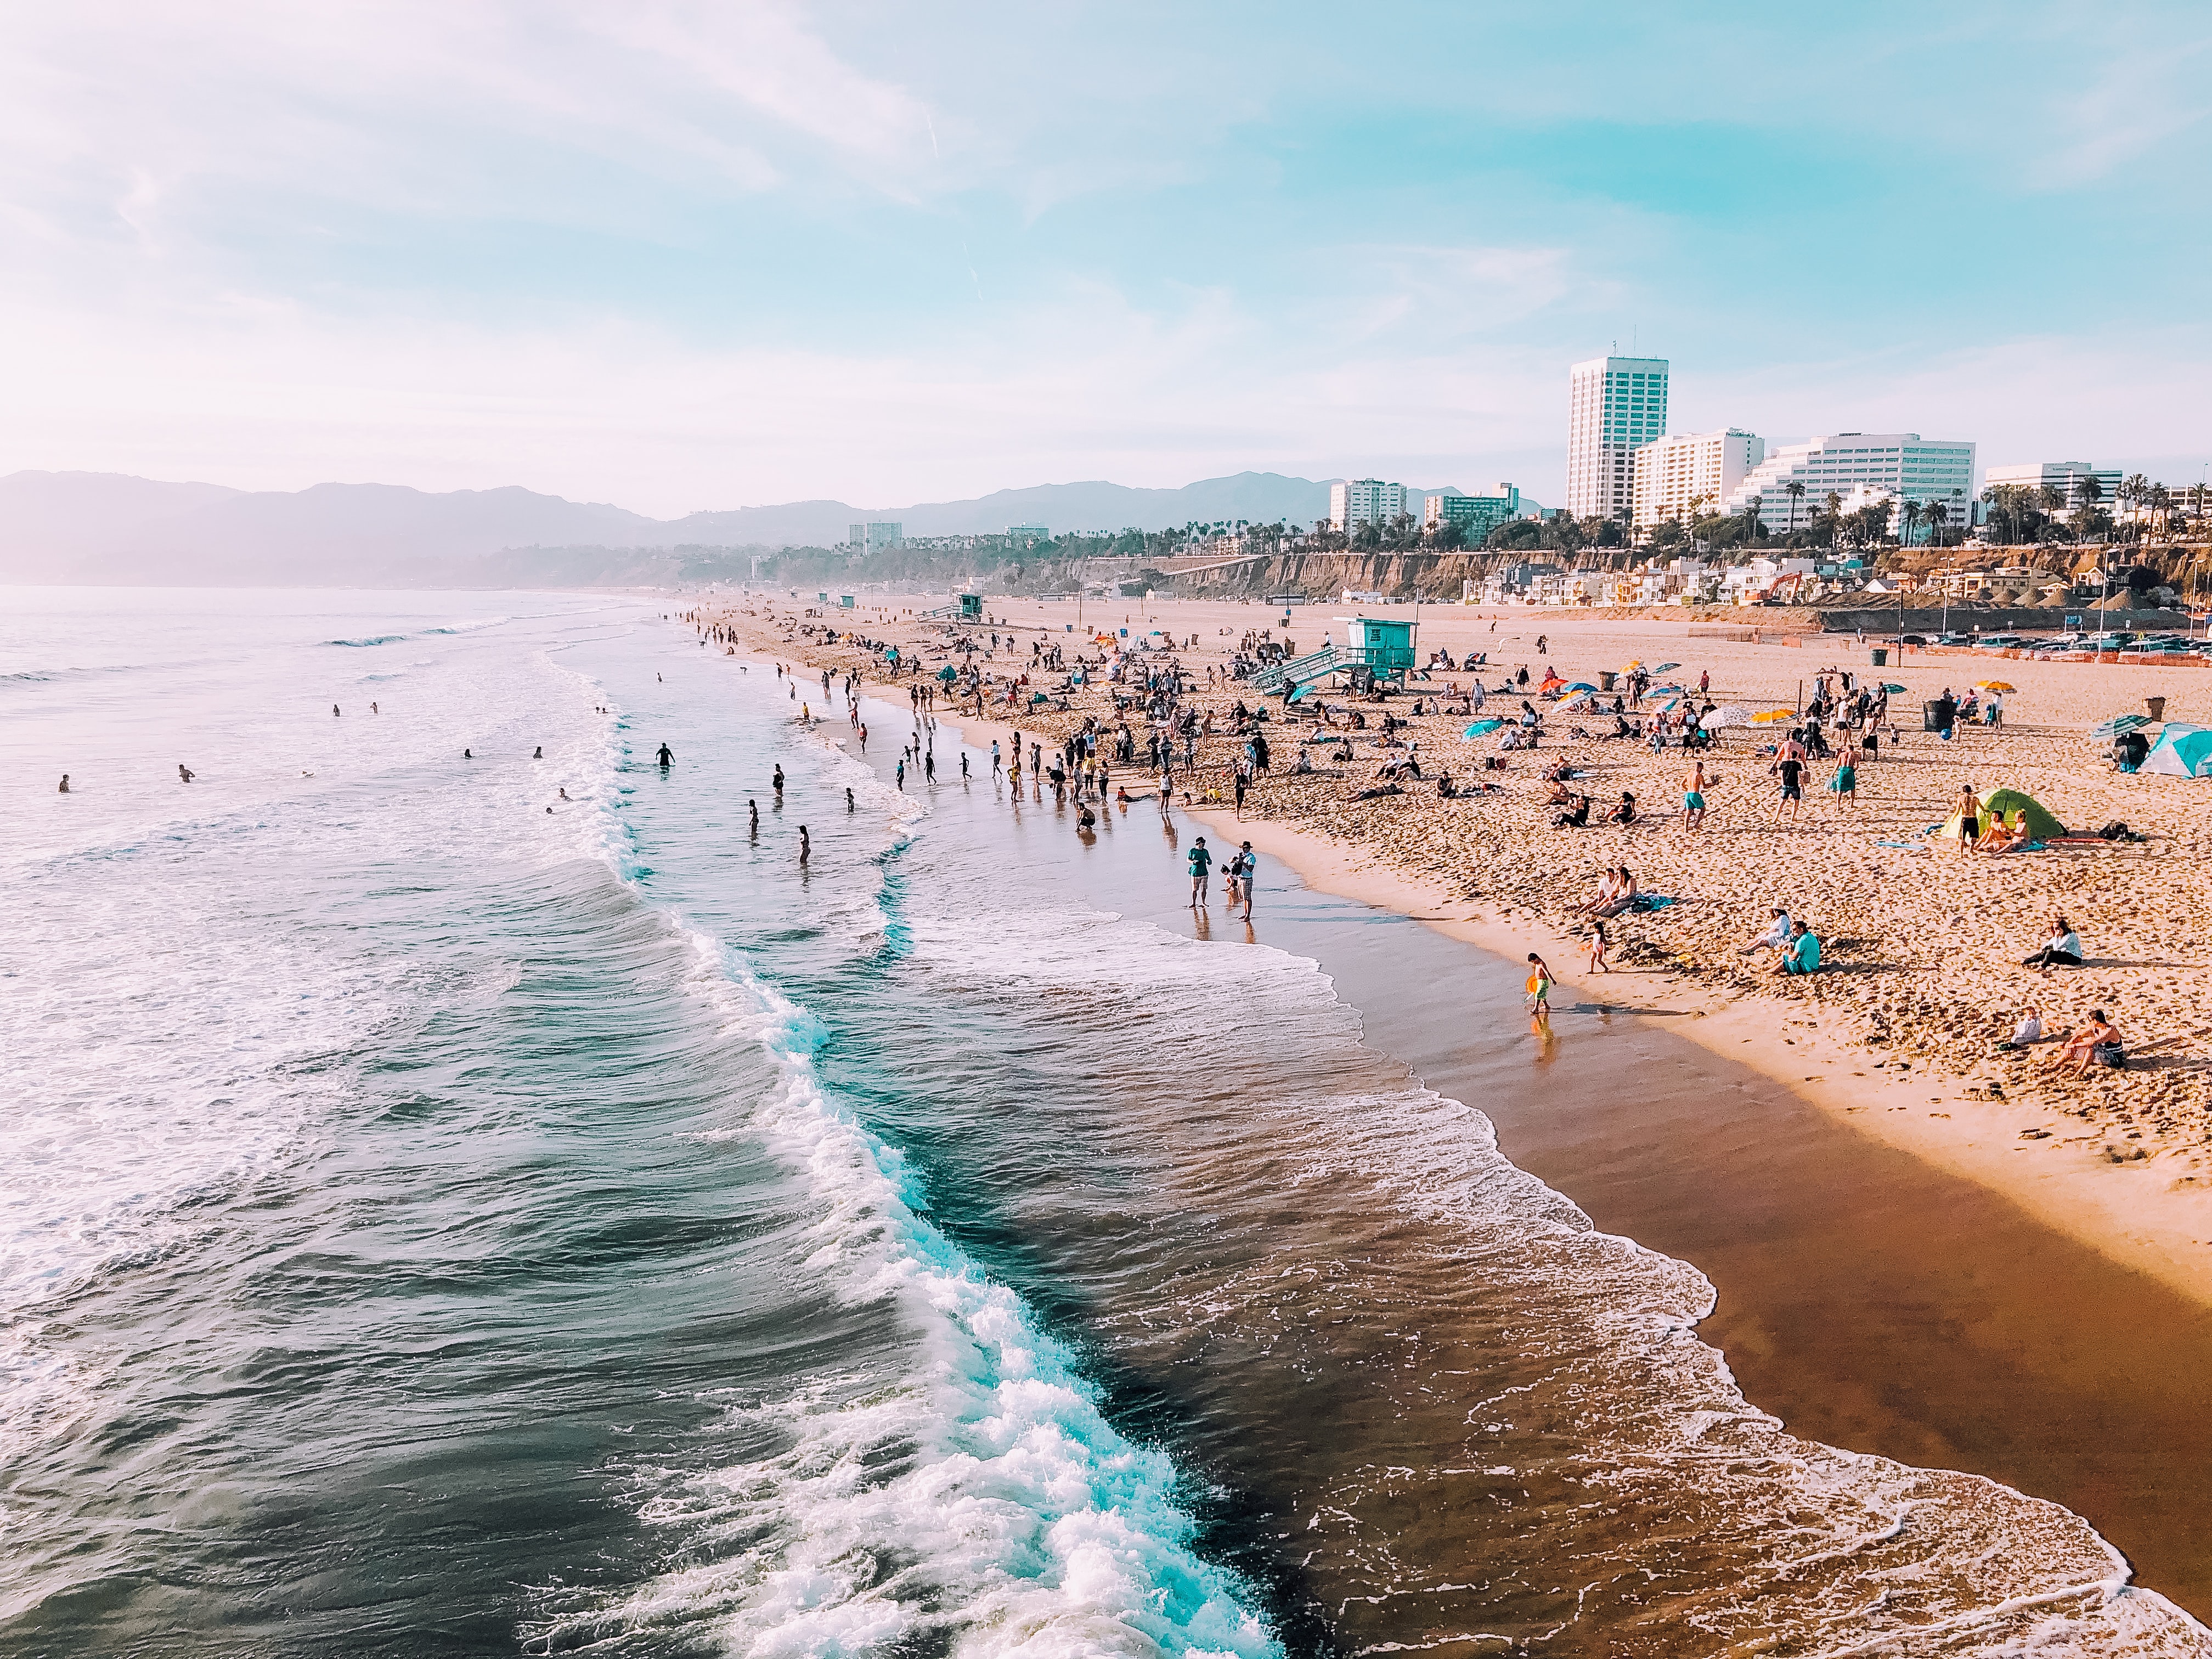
[111, 527]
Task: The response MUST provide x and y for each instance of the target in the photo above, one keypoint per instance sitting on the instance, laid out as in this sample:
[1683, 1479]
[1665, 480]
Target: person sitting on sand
[1575, 819]
[1624, 811]
[2029, 1032]
[1997, 838]
[2097, 1044]
[2062, 949]
[1775, 935]
[1802, 955]
[1560, 795]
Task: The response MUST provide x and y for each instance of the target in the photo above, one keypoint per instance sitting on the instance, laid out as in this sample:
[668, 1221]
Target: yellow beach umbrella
[1768, 716]
[1992, 685]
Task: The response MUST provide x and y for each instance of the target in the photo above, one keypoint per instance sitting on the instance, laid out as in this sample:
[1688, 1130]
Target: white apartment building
[1364, 500]
[1614, 406]
[1673, 471]
[881, 533]
[1860, 467]
[2060, 475]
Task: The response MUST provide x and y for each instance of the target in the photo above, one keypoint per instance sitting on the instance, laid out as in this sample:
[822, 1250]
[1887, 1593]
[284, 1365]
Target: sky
[680, 257]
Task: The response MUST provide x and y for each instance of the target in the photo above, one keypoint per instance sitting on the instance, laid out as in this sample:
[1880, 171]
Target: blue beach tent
[2181, 751]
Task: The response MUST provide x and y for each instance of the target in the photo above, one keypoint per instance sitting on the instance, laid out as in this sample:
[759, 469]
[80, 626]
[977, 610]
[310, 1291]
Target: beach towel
[1652, 902]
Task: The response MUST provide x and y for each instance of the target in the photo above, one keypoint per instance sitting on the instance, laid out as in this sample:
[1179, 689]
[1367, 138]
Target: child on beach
[1539, 990]
[1597, 962]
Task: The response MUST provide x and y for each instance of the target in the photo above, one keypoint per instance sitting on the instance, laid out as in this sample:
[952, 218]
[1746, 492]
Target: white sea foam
[1850, 1553]
[980, 1492]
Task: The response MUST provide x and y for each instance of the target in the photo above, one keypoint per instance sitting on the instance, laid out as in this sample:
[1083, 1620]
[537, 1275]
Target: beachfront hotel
[882, 533]
[1476, 515]
[1364, 500]
[1614, 405]
[2061, 475]
[1704, 467]
[1862, 467]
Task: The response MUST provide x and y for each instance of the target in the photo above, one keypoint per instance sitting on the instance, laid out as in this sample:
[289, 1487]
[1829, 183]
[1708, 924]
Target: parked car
[1912, 639]
[1999, 642]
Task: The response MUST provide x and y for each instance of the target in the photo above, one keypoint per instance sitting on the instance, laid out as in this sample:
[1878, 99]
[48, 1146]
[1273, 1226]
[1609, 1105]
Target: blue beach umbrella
[1481, 727]
[1582, 685]
[2118, 723]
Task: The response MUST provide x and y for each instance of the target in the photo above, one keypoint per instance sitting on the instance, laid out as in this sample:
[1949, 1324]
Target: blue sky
[696, 256]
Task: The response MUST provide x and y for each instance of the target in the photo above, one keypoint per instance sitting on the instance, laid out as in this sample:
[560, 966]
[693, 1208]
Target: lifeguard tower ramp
[1374, 647]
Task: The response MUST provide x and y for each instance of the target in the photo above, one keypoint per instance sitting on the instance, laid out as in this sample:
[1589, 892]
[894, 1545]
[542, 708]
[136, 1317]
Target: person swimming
[538, 753]
[64, 789]
[184, 773]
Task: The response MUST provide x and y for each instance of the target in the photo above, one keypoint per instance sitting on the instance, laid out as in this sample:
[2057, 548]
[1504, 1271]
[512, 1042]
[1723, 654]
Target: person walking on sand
[1845, 786]
[1202, 865]
[1790, 769]
[1968, 811]
[1597, 964]
[1694, 796]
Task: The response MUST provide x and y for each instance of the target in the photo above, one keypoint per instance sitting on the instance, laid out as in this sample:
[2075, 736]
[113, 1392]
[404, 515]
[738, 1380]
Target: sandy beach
[1899, 1037]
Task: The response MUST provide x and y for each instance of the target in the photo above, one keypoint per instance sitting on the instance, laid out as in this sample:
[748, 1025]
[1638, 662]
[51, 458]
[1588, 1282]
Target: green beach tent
[2041, 826]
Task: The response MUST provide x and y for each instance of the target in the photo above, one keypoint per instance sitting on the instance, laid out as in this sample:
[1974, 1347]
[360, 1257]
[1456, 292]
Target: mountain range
[111, 527]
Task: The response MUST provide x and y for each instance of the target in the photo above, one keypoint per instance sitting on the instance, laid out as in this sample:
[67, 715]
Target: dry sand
[1900, 1039]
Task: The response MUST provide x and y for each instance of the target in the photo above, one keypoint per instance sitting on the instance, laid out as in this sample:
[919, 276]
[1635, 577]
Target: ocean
[438, 1224]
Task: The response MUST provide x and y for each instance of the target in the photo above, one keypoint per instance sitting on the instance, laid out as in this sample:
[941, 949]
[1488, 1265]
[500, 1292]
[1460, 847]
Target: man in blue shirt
[1803, 954]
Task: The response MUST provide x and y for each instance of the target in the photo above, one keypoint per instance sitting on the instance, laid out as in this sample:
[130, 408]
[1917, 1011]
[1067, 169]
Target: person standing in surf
[666, 756]
[1539, 990]
[1201, 863]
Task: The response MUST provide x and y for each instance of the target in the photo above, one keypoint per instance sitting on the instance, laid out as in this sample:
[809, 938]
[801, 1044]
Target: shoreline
[2074, 1176]
[1851, 1302]
[2114, 1208]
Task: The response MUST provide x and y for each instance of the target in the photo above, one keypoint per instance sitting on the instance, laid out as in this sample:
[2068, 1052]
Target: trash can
[2157, 707]
[1881, 656]
[1605, 679]
[1931, 719]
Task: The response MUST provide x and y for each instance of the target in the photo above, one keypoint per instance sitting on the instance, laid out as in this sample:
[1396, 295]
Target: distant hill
[111, 527]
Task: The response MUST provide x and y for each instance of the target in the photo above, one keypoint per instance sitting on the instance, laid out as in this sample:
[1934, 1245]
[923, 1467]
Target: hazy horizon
[679, 260]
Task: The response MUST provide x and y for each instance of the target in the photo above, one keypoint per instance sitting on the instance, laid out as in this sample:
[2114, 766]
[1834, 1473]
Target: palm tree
[1795, 490]
[1908, 515]
[1937, 514]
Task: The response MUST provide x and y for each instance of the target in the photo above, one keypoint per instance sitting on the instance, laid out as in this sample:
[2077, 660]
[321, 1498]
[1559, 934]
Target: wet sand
[1869, 1300]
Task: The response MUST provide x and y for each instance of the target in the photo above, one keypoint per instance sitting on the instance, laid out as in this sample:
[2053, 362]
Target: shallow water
[436, 1224]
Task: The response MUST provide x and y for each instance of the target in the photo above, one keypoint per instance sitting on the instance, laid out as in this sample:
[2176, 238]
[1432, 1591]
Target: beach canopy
[1582, 685]
[948, 672]
[2010, 804]
[1481, 727]
[2119, 723]
[1994, 686]
[2181, 751]
[1728, 714]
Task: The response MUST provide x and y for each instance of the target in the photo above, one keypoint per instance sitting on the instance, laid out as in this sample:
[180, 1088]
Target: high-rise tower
[1614, 404]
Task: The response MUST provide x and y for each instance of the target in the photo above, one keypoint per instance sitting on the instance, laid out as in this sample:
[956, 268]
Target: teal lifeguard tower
[1374, 649]
[966, 608]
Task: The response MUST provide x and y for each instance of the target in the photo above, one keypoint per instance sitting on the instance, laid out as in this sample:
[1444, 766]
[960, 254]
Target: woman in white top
[2062, 949]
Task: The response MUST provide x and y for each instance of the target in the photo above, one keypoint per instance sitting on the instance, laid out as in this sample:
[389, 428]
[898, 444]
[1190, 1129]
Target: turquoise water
[438, 1224]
